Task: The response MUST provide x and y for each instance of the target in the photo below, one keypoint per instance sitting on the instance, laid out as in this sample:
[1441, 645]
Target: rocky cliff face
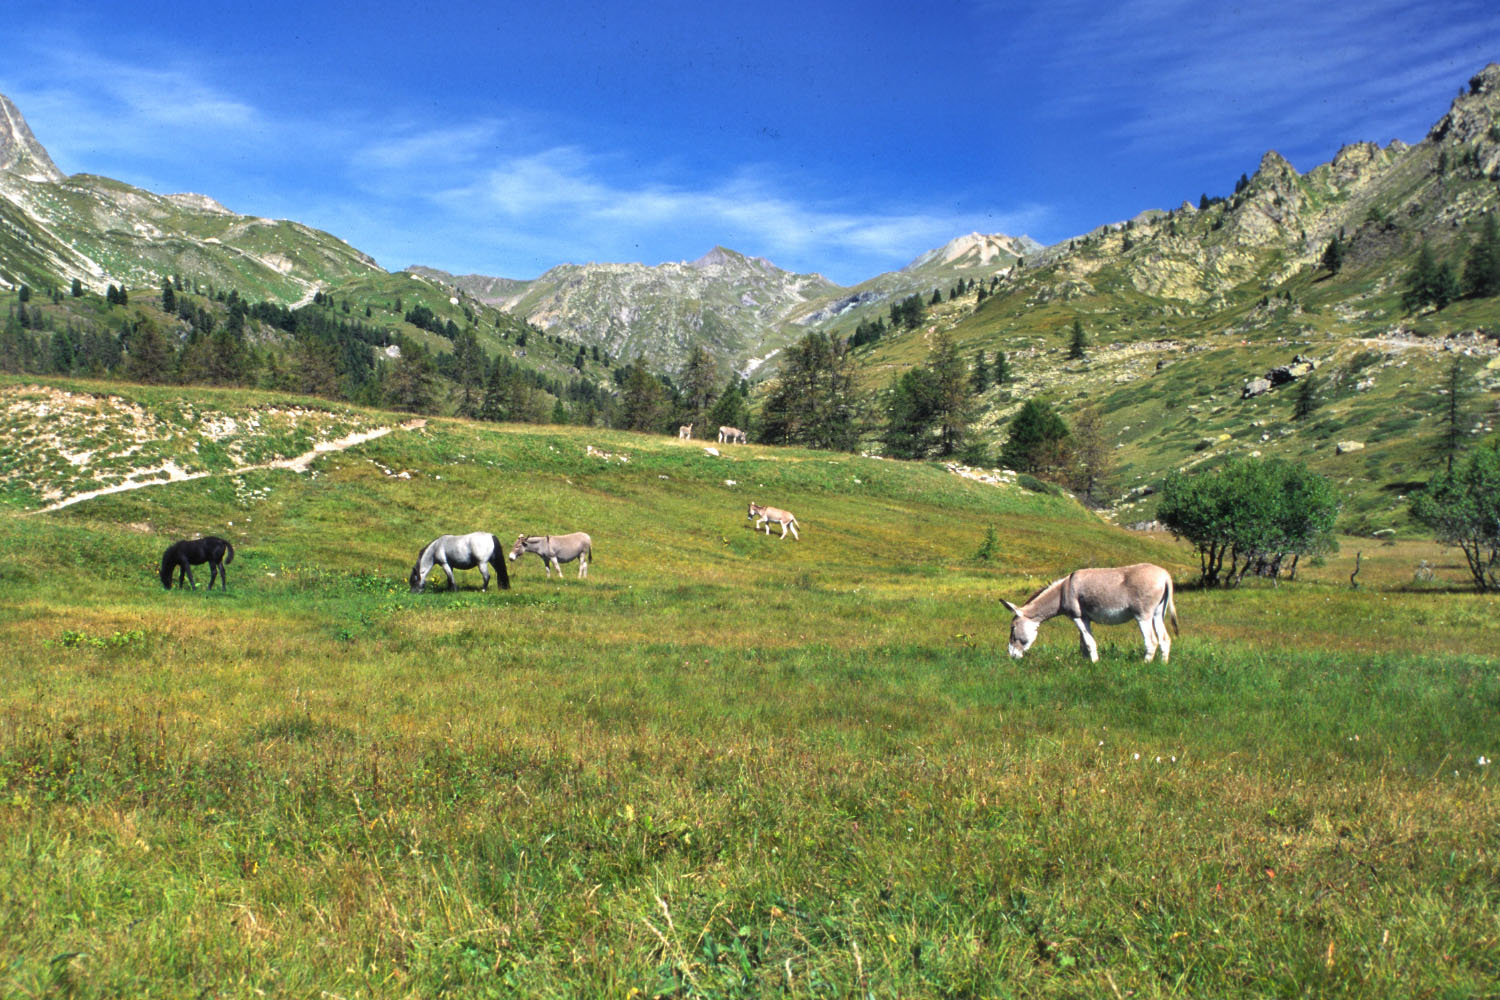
[1384, 201]
[20, 154]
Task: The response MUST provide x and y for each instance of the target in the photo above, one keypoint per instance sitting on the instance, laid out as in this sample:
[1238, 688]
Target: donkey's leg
[583, 566]
[188, 569]
[213, 573]
[447, 569]
[1086, 641]
[793, 526]
[1148, 632]
[484, 572]
[554, 566]
[1159, 622]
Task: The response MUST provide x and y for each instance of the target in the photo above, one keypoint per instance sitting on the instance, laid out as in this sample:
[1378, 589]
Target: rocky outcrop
[20, 153]
[1278, 376]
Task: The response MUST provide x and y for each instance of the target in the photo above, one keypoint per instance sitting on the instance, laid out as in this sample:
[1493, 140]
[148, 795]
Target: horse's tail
[228, 553]
[1172, 607]
[167, 566]
[497, 560]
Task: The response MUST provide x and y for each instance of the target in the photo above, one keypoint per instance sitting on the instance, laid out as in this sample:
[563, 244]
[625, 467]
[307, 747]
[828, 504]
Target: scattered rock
[1344, 447]
[1255, 387]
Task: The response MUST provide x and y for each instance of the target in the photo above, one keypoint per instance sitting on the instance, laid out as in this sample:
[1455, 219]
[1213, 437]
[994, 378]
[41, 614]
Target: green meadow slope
[724, 765]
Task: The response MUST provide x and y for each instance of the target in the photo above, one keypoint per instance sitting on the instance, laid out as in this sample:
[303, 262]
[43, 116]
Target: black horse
[183, 556]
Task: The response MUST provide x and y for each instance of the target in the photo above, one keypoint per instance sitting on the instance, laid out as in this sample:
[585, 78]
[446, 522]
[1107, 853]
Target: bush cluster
[1251, 514]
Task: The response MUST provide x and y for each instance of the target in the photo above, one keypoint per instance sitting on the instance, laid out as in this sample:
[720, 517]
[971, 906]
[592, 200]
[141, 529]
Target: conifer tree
[1305, 401]
[1333, 255]
[981, 376]
[1000, 371]
[1036, 439]
[1481, 278]
[1453, 408]
[150, 357]
[952, 400]
[1078, 344]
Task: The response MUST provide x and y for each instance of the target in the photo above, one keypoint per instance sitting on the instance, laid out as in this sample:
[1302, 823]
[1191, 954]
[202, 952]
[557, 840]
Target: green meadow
[724, 765]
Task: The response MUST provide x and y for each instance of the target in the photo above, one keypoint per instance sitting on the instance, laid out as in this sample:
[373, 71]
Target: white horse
[769, 515]
[685, 432]
[733, 435]
[460, 552]
[1111, 596]
[554, 550]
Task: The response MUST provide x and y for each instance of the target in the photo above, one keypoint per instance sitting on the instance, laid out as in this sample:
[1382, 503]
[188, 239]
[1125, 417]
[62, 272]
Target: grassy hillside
[724, 765]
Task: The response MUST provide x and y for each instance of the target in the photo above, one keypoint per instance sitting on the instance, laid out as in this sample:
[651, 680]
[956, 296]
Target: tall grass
[724, 765]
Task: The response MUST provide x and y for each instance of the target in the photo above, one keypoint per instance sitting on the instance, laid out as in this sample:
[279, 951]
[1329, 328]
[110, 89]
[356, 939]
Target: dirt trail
[176, 474]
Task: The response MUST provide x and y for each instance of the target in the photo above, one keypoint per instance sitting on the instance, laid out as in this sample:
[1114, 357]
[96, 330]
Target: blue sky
[842, 138]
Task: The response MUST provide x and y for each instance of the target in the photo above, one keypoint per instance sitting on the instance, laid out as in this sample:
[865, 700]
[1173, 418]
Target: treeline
[200, 336]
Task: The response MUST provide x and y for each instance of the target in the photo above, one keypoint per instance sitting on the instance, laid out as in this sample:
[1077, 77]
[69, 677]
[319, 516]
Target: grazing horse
[685, 432]
[460, 552]
[768, 515]
[733, 435]
[1112, 596]
[553, 550]
[183, 556]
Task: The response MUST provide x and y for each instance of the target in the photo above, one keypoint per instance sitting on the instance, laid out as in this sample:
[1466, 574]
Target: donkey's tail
[228, 553]
[1172, 607]
[497, 560]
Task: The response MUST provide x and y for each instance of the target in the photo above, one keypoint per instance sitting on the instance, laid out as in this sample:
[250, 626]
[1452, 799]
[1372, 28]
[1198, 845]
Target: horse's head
[1022, 631]
[416, 578]
[518, 548]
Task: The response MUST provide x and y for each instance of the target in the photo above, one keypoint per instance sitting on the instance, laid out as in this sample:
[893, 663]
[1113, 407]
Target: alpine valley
[1200, 319]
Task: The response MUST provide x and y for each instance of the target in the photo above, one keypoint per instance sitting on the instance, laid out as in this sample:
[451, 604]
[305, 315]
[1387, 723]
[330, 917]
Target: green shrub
[1251, 515]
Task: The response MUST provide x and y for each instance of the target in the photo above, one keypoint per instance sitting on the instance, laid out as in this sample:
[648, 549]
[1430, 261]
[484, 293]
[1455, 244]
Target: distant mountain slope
[743, 309]
[54, 229]
[1183, 308]
[734, 305]
[976, 256]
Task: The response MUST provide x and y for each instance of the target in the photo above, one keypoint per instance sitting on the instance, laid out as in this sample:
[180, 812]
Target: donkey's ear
[1013, 609]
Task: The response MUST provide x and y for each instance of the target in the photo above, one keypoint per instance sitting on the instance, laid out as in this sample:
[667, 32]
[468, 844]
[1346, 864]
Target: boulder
[1345, 447]
[1255, 387]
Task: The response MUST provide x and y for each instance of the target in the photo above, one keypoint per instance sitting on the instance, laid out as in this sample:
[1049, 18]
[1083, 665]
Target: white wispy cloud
[1189, 80]
[570, 192]
[91, 103]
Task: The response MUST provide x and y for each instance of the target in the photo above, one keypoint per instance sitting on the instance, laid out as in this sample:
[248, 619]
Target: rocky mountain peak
[1275, 170]
[717, 259]
[20, 153]
[1473, 112]
[977, 250]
